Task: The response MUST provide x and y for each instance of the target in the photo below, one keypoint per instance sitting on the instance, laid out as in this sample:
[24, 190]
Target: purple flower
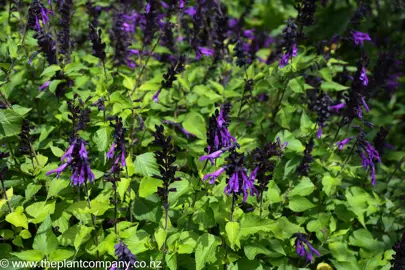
[319, 133]
[44, 86]
[59, 170]
[212, 156]
[308, 252]
[337, 107]
[368, 154]
[147, 8]
[191, 11]
[117, 149]
[360, 37]
[341, 144]
[155, 97]
[69, 152]
[77, 160]
[181, 4]
[111, 152]
[213, 176]
[204, 51]
[363, 76]
[365, 104]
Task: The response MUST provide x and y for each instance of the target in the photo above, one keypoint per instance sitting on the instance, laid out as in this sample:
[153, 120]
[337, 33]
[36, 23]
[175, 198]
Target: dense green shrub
[203, 134]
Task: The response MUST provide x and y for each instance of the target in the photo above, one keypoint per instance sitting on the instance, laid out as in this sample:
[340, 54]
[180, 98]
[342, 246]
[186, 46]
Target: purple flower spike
[308, 253]
[44, 86]
[319, 133]
[147, 9]
[363, 76]
[213, 176]
[110, 153]
[181, 4]
[155, 97]
[341, 144]
[69, 152]
[337, 107]
[360, 37]
[83, 152]
[191, 11]
[212, 156]
[37, 25]
[204, 51]
[123, 162]
[58, 171]
[365, 105]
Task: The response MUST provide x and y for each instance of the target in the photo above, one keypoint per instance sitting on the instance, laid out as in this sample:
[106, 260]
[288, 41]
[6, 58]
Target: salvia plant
[203, 134]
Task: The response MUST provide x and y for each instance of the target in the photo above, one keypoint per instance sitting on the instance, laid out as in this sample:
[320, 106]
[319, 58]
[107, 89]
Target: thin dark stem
[233, 206]
[146, 63]
[93, 217]
[396, 168]
[115, 208]
[348, 157]
[5, 196]
[261, 203]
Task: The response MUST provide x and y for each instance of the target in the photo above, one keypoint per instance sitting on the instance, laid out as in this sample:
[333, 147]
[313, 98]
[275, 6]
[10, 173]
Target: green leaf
[206, 250]
[10, 123]
[329, 184]
[251, 224]
[160, 236]
[56, 151]
[31, 190]
[122, 187]
[333, 86]
[29, 255]
[145, 164]
[12, 48]
[18, 218]
[138, 242]
[232, 233]
[60, 255]
[304, 188]
[56, 186]
[82, 236]
[45, 240]
[102, 139]
[54, 84]
[149, 186]
[171, 261]
[300, 204]
[298, 85]
[40, 210]
[195, 124]
[252, 250]
[50, 71]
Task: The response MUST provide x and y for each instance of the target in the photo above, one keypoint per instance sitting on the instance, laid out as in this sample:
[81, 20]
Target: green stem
[5, 196]
[93, 218]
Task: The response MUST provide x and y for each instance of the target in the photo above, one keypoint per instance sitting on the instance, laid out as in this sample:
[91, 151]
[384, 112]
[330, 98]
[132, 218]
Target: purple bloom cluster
[305, 165]
[368, 156]
[289, 42]
[218, 136]
[121, 37]
[76, 157]
[264, 163]
[359, 37]
[37, 13]
[124, 255]
[117, 149]
[170, 76]
[322, 104]
[238, 181]
[300, 242]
